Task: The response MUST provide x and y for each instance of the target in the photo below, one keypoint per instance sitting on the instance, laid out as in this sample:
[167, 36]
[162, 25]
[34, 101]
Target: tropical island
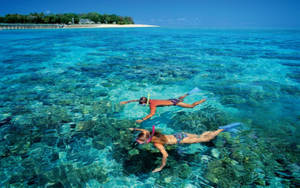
[66, 20]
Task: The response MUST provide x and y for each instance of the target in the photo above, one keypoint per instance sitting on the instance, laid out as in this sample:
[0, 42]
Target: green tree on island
[41, 18]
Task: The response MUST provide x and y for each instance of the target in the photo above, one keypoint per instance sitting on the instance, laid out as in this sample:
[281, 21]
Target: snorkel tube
[147, 102]
[148, 99]
[149, 139]
[153, 131]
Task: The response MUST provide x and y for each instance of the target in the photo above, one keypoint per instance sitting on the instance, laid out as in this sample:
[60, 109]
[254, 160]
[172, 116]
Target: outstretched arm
[161, 148]
[152, 112]
[137, 129]
[125, 102]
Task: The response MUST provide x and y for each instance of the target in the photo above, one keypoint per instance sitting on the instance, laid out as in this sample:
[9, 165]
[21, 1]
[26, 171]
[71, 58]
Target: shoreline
[107, 26]
[74, 26]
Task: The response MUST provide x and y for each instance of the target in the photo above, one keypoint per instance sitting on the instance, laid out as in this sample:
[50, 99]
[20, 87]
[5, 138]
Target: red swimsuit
[153, 103]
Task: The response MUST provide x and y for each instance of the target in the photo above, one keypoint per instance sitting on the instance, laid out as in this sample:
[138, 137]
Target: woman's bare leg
[192, 135]
[182, 97]
[184, 105]
[204, 137]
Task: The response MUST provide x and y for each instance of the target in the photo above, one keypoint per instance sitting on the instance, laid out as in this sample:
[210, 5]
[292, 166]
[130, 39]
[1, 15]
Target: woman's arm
[137, 129]
[125, 102]
[164, 153]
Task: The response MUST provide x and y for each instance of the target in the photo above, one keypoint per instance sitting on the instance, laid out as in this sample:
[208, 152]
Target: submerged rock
[5, 121]
[133, 152]
[215, 153]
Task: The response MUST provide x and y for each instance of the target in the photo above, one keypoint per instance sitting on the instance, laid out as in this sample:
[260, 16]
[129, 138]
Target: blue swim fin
[195, 90]
[230, 127]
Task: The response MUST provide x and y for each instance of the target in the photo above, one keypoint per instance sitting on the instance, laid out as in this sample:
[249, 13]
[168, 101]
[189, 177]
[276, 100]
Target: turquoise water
[63, 125]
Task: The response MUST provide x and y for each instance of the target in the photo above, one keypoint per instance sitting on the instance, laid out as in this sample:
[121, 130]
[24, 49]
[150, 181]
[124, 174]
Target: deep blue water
[61, 90]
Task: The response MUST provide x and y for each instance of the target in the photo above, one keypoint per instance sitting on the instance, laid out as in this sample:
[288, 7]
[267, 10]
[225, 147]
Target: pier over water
[30, 26]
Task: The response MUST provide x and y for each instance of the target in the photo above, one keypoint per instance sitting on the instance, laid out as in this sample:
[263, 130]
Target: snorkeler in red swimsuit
[153, 103]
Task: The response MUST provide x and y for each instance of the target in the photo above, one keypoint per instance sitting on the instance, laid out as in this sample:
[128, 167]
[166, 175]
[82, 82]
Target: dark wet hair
[143, 100]
[143, 136]
[157, 137]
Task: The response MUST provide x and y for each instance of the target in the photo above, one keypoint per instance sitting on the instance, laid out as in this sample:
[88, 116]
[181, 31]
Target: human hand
[132, 129]
[139, 121]
[124, 102]
[156, 170]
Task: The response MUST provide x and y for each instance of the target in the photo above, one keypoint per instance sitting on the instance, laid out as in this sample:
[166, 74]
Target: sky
[175, 13]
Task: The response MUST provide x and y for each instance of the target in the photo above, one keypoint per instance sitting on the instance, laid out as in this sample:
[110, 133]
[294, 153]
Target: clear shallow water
[61, 89]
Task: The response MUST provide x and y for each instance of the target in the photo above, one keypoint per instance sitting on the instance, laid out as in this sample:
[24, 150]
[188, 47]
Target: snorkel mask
[149, 139]
[142, 100]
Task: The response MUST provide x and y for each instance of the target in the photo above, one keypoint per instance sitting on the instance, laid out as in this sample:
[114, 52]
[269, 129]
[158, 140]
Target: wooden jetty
[4, 26]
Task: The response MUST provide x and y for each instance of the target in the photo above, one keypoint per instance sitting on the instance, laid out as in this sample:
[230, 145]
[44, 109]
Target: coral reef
[61, 124]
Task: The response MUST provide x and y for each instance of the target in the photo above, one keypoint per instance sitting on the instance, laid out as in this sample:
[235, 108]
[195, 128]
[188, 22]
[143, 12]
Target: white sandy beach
[107, 26]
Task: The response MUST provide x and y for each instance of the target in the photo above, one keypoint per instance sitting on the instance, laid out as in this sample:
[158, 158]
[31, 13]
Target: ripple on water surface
[62, 124]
